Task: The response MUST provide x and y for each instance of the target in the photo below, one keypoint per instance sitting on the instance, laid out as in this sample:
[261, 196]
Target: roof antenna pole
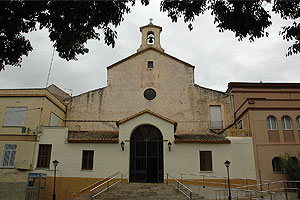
[50, 67]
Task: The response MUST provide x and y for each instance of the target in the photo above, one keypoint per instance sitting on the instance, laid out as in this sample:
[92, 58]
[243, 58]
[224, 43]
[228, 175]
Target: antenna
[69, 90]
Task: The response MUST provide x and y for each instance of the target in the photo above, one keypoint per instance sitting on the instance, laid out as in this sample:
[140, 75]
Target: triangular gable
[149, 112]
[138, 53]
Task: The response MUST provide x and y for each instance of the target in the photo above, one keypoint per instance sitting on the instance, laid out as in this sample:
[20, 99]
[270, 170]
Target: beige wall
[33, 100]
[276, 102]
[23, 161]
[177, 96]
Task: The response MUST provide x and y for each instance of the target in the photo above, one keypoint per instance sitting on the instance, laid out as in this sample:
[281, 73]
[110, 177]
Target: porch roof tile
[93, 136]
[201, 138]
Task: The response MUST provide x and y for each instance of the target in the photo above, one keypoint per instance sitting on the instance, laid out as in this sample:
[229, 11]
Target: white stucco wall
[109, 158]
[184, 157]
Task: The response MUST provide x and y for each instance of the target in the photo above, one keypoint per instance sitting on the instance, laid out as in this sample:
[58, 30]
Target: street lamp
[227, 164]
[55, 163]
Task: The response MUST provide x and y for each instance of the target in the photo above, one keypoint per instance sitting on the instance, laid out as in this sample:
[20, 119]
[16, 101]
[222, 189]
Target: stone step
[141, 191]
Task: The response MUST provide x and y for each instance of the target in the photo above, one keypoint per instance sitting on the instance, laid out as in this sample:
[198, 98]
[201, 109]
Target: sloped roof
[93, 136]
[149, 112]
[150, 48]
[201, 138]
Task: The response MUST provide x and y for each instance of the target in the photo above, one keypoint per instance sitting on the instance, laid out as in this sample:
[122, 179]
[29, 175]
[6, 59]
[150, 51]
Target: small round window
[149, 94]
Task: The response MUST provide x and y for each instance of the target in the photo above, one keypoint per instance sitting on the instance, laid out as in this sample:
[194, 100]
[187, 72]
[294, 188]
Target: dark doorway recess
[146, 155]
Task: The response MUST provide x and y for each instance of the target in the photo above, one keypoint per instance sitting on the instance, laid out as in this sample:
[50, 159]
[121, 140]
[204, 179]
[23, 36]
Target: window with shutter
[44, 156]
[271, 123]
[9, 155]
[53, 120]
[87, 160]
[15, 116]
[205, 161]
[215, 117]
[286, 123]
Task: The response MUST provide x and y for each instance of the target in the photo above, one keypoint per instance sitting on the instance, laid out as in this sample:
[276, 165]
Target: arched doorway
[146, 155]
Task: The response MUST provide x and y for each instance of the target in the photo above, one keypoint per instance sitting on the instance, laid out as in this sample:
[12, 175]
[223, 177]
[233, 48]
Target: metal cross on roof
[150, 20]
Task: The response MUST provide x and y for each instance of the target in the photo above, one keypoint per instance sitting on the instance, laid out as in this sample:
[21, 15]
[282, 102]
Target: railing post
[121, 178]
[286, 196]
[167, 178]
[181, 175]
[107, 186]
[269, 191]
[178, 187]
[92, 194]
[191, 195]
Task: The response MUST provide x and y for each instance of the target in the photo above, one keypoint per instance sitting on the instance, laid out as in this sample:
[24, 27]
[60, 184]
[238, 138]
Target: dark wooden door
[146, 155]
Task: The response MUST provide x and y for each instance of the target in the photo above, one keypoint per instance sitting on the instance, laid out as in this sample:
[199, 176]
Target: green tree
[244, 18]
[72, 23]
[291, 166]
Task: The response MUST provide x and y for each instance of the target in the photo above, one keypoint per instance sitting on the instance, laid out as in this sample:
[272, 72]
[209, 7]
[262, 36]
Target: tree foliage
[244, 18]
[291, 166]
[72, 23]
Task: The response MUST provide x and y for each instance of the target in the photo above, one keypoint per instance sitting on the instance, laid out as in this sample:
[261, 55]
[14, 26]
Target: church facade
[150, 119]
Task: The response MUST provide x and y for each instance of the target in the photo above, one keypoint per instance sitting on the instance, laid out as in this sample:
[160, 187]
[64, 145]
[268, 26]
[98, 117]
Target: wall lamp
[122, 145]
[169, 145]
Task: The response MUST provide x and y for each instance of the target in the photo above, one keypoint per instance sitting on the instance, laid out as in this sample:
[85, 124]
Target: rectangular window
[150, 65]
[53, 120]
[205, 161]
[44, 156]
[87, 160]
[9, 155]
[240, 124]
[215, 117]
[15, 116]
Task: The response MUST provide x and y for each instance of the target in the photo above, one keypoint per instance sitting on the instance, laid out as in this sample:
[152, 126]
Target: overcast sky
[219, 58]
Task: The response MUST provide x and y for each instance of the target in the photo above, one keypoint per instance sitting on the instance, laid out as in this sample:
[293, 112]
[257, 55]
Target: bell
[150, 39]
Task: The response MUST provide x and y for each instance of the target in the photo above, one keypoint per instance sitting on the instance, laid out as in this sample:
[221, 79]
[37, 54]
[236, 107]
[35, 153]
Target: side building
[23, 113]
[272, 112]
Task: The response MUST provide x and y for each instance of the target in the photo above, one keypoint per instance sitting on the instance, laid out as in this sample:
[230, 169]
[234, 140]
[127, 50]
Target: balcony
[239, 133]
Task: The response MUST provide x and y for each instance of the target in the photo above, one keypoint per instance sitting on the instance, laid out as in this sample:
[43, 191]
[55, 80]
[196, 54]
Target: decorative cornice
[143, 112]
[147, 49]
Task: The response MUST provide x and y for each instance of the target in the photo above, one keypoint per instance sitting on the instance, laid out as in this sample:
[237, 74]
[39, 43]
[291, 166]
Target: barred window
[44, 156]
[8, 155]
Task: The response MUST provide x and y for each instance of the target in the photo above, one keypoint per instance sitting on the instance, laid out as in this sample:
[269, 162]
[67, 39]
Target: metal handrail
[260, 192]
[193, 174]
[112, 177]
[178, 187]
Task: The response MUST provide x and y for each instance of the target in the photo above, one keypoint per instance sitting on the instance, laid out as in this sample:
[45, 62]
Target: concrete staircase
[141, 191]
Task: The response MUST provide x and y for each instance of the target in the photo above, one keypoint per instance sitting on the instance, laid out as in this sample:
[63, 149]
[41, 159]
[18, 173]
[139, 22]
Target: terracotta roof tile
[93, 136]
[201, 138]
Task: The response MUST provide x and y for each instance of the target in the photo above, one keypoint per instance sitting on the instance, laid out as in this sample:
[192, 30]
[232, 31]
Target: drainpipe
[232, 107]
